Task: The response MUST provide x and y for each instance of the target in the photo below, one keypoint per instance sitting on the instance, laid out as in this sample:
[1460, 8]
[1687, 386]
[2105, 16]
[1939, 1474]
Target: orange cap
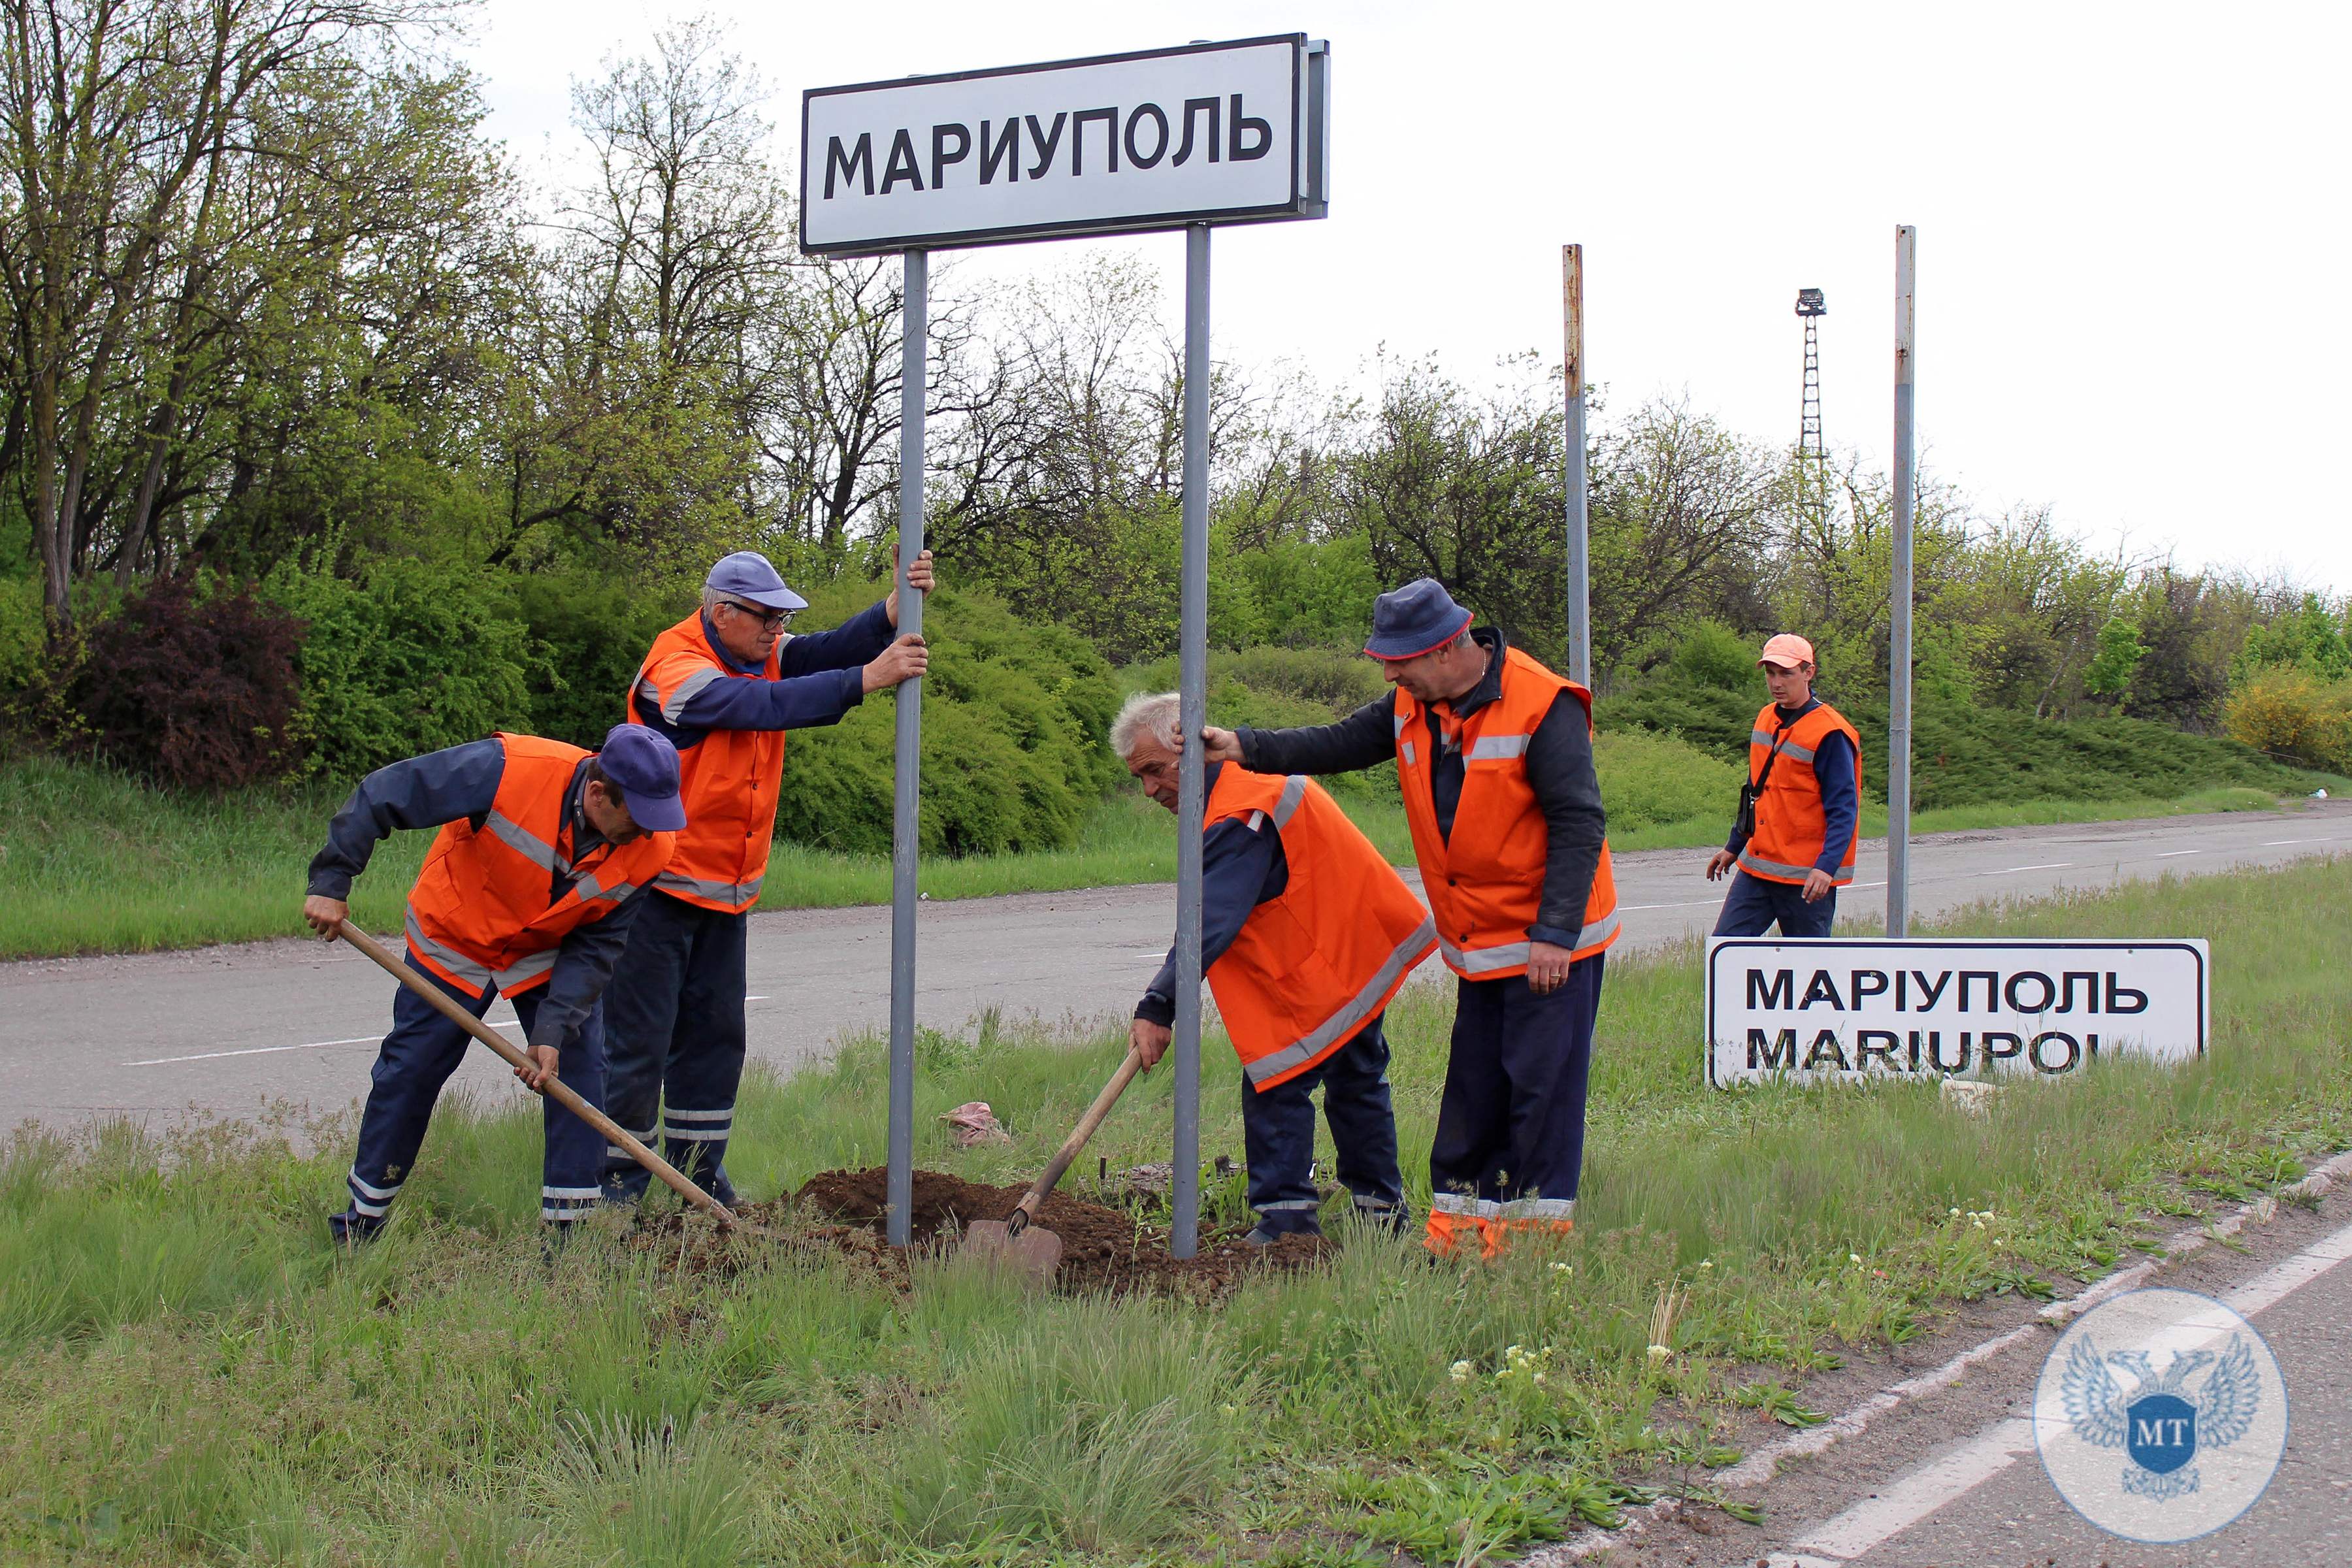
[1788, 650]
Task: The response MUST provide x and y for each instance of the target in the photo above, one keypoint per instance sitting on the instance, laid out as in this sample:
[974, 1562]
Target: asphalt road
[1972, 1493]
[232, 1030]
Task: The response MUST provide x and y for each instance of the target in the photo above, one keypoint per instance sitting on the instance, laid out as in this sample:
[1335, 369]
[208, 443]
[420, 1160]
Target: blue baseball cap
[1414, 619]
[643, 765]
[746, 575]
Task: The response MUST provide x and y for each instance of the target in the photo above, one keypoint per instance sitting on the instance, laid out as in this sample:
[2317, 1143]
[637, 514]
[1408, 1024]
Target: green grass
[194, 1378]
[94, 861]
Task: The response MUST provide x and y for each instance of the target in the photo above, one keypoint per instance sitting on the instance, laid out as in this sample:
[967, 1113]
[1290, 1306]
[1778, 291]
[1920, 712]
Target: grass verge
[194, 1378]
[92, 861]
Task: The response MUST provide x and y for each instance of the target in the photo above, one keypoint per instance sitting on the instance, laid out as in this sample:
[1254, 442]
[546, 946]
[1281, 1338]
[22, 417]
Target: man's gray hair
[712, 599]
[1152, 713]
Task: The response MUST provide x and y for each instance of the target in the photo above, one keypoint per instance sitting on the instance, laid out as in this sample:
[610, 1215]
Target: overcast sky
[2132, 218]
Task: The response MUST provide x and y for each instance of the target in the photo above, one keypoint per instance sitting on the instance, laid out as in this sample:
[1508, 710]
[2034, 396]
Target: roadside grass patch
[92, 861]
[194, 1377]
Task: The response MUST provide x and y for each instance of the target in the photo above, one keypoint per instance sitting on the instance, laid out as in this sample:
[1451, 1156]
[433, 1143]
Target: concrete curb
[1762, 1464]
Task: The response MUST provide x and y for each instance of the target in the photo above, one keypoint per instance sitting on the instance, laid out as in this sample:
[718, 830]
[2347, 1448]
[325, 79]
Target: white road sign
[1856, 1010]
[1228, 132]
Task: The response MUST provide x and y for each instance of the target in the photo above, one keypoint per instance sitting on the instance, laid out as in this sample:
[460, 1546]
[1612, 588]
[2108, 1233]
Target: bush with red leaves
[193, 689]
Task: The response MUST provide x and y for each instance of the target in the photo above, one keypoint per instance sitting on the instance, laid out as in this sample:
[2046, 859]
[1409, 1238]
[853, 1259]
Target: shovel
[556, 1090]
[1016, 1242]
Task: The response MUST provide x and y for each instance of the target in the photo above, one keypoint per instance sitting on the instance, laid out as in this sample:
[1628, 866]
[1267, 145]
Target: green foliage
[1970, 754]
[2289, 712]
[1015, 717]
[2119, 653]
[591, 632]
[1648, 780]
[2309, 638]
[200, 1377]
[409, 657]
[1712, 656]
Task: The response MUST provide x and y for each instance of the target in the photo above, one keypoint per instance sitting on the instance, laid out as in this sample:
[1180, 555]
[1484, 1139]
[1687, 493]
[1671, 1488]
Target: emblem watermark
[2160, 1415]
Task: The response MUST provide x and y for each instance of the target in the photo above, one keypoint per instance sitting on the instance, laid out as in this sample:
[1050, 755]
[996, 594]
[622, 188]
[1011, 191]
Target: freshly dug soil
[1103, 1249]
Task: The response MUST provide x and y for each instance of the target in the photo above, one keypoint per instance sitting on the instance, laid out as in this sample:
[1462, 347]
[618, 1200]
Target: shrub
[193, 689]
[410, 656]
[1712, 656]
[1016, 719]
[592, 633]
[1648, 780]
[2294, 714]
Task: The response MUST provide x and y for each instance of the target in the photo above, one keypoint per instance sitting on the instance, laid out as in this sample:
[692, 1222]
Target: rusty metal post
[1898, 639]
[1580, 574]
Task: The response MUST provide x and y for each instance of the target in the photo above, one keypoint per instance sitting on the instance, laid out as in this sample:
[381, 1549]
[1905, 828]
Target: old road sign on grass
[1225, 133]
[1844, 1010]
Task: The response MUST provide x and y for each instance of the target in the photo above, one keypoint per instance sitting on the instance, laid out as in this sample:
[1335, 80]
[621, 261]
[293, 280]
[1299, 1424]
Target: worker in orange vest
[724, 685]
[545, 855]
[1306, 935]
[1792, 847]
[1494, 754]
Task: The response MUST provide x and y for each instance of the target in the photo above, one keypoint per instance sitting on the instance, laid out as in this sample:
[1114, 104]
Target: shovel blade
[1035, 1253]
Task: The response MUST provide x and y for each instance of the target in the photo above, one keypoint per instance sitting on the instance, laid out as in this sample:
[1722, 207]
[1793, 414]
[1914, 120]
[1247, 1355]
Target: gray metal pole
[1192, 684]
[1579, 573]
[906, 808]
[1898, 640]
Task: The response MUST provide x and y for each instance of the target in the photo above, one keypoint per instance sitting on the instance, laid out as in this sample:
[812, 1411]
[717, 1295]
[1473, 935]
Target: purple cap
[1417, 617]
[644, 765]
[746, 575]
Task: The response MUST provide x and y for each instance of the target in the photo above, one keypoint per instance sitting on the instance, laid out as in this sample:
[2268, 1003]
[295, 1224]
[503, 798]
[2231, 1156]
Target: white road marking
[508, 1023]
[2274, 843]
[2171, 852]
[1686, 904]
[2049, 866]
[1908, 1499]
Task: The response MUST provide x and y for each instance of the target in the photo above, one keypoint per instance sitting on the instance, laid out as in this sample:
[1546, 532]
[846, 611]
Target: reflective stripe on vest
[728, 779]
[492, 906]
[1344, 1024]
[1791, 821]
[727, 893]
[1485, 880]
[1780, 870]
[1317, 961]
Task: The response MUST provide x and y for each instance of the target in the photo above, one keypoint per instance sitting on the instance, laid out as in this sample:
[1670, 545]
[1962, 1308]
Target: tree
[121, 122]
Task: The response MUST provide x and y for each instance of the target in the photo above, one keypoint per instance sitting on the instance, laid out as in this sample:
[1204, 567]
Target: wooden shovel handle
[1026, 1210]
[556, 1090]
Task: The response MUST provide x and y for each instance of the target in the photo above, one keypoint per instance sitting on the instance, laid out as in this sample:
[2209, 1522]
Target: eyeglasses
[769, 620]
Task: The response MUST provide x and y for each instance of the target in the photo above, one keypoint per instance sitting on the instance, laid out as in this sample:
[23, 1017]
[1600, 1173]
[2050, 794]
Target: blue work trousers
[1278, 1138]
[417, 1058]
[1753, 904]
[1510, 1124]
[674, 1042]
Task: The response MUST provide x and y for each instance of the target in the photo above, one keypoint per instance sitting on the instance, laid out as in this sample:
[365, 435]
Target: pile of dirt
[1104, 1249]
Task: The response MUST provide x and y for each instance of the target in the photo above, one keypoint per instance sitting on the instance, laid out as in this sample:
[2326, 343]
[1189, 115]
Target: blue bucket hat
[1414, 619]
[746, 575]
[644, 765]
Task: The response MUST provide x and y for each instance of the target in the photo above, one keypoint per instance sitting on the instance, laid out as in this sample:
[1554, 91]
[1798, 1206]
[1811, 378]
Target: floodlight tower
[1814, 479]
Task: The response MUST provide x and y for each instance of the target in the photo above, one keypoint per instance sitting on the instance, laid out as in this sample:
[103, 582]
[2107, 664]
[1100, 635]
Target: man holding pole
[1494, 754]
[1306, 936]
[724, 685]
[1792, 846]
[544, 856]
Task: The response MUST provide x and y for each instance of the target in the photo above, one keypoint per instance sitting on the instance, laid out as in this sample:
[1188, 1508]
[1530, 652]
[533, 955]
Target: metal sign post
[1580, 574]
[905, 827]
[1192, 788]
[1898, 638]
[1162, 139]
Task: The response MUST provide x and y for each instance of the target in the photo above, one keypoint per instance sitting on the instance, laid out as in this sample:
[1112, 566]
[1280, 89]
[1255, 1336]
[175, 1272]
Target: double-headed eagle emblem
[2161, 1425]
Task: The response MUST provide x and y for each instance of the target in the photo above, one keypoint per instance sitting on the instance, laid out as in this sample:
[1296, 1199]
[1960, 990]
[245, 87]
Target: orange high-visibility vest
[1485, 885]
[1311, 967]
[728, 780]
[479, 914]
[1790, 826]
